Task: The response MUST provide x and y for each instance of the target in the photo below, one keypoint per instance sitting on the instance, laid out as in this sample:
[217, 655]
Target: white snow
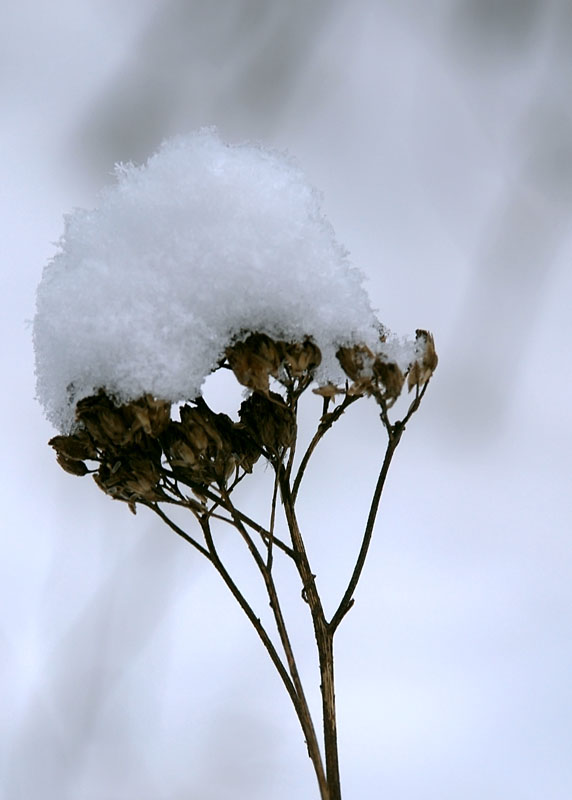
[203, 243]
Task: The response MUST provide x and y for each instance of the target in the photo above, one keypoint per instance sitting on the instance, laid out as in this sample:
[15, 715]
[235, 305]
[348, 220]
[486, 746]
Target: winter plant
[215, 257]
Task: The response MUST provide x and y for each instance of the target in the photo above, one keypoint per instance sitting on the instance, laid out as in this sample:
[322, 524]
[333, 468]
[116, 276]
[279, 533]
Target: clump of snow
[204, 243]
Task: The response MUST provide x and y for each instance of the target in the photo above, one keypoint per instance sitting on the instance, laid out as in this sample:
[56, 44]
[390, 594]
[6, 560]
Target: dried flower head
[422, 369]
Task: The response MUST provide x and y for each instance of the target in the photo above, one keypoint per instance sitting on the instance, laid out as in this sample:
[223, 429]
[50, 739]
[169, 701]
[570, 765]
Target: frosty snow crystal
[204, 242]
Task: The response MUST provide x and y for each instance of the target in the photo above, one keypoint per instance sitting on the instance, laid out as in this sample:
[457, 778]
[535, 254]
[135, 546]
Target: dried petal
[328, 390]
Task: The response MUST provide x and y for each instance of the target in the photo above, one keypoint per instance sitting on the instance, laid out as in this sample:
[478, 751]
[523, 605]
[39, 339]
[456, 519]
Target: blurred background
[440, 133]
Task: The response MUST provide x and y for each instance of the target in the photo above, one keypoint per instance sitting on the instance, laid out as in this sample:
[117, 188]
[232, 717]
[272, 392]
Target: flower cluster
[379, 376]
[142, 455]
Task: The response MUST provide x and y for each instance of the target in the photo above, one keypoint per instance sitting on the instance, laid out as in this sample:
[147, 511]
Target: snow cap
[203, 244]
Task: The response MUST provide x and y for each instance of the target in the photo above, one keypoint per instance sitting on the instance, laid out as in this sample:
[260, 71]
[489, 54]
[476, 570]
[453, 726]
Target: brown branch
[292, 682]
[326, 423]
[347, 600]
[271, 540]
[324, 642]
[210, 495]
[179, 531]
[395, 433]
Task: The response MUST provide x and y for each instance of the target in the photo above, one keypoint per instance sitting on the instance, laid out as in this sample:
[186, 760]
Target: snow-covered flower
[204, 244]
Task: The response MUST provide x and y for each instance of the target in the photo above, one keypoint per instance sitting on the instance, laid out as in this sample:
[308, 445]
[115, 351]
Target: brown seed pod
[254, 360]
[269, 421]
[301, 357]
[135, 476]
[422, 369]
[72, 465]
[356, 361]
[193, 426]
[105, 421]
[244, 448]
[178, 449]
[148, 414]
[78, 446]
[390, 377]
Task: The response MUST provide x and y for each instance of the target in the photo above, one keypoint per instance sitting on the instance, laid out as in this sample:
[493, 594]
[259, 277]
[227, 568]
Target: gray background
[440, 132]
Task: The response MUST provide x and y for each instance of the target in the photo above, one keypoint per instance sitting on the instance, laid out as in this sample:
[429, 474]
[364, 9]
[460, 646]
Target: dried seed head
[301, 357]
[245, 450]
[134, 477]
[78, 446]
[72, 465]
[103, 420]
[149, 415]
[388, 374]
[357, 361]
[254, 360]
[422, 369]
[119, 425]
[269, 421]
[208, 447]
[178, 449]
[195, 429]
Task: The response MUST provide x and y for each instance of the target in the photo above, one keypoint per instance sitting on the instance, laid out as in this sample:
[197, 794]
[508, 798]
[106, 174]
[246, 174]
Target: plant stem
[347, 600]
[324, 641]
[299, 701]
[299, 698]
[326, 423]
[327, 688]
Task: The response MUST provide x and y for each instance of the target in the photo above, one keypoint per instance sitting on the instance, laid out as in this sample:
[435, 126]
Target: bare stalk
[394, 433]
[347, 600]
[326, 423]
[300, 703]
[324, 642]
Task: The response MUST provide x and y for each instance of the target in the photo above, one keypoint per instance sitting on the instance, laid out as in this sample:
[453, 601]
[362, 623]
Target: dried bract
[328, 390]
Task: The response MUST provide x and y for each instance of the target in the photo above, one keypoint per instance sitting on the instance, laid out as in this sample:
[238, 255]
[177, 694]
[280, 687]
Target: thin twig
[179, 531]
[395, 432]
[271, 540]
[293, 684]
[243, 603]
[325, 424]
[210, 495]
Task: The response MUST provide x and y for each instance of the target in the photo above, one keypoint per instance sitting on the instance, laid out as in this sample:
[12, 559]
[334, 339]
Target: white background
[441, 135]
